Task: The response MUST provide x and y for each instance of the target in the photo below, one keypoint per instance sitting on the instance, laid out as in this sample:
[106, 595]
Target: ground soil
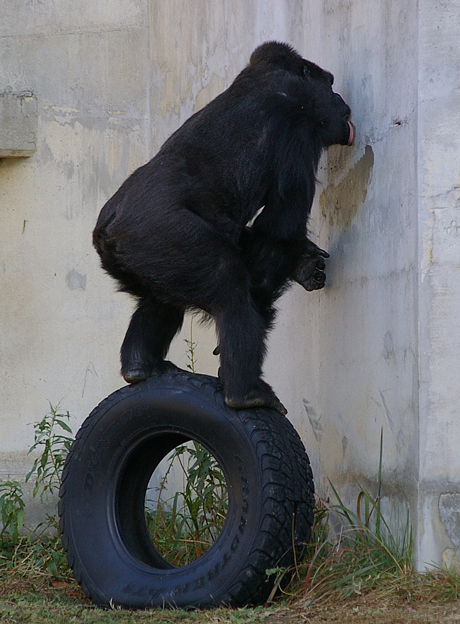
[368, 609]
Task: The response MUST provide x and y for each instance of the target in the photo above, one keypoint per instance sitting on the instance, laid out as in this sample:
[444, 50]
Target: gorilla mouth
[352, 132]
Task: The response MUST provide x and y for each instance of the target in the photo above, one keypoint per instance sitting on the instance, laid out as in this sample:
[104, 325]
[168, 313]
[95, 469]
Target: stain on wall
[75, 280]
[341, 199]
[449, 513]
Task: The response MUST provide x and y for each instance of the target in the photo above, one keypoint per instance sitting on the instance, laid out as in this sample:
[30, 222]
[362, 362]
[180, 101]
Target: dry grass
[353, 580]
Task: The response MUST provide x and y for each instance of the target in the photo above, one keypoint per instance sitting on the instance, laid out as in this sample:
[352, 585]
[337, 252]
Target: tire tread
[287, 484]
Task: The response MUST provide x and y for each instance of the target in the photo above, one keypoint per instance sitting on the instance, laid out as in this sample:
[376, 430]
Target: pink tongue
[351, 136]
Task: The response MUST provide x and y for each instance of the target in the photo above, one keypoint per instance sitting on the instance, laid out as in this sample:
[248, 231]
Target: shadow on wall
[341, 199]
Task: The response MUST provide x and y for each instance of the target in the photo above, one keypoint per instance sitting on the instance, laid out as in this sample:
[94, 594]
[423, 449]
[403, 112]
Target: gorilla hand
[310, 270]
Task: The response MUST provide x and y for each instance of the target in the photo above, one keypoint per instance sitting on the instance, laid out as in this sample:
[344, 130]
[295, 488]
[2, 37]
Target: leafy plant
[54, 436]
[11, 509]
[186, 524]
[39, 548]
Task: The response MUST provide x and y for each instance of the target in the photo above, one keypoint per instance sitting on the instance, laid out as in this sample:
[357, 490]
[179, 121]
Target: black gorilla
[180, 233]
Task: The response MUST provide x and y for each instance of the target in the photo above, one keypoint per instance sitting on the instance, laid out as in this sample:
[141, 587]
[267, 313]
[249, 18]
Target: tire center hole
[186, 503]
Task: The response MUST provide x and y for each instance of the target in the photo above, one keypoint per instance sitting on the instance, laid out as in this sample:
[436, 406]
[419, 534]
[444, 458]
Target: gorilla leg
[152, 327]
[269, 263]
[241, 332]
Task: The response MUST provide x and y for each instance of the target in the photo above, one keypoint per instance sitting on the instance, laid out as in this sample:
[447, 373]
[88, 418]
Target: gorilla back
[176, 234]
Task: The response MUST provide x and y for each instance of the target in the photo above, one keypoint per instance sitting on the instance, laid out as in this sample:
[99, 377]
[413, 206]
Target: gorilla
[217, 221]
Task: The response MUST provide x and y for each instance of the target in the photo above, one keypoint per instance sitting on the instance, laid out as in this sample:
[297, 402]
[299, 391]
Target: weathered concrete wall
[374, 350]
[61, 320]
[18, 130]
[356, 374]
[439, 284]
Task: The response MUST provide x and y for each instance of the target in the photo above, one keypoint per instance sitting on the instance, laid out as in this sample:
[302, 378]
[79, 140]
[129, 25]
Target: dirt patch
[12, 586]
[42, 600]
[368, 610]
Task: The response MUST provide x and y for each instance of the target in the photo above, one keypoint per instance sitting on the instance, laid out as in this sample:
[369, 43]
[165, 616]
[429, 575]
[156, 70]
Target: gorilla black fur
[179, 235]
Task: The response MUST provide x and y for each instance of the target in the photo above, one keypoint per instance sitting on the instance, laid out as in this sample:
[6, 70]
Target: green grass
[360, 565]
[34, 599]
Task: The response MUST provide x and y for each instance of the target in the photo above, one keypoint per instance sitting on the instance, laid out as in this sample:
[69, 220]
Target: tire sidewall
[110, 571]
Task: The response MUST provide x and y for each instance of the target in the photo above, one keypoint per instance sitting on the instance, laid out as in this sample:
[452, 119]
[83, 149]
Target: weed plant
[53, 436]
[12, 510]
[22, 548]
[355, 553]
[185, 525]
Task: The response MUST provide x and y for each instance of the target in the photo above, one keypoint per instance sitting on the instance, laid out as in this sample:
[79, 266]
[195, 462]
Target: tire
[104, 481]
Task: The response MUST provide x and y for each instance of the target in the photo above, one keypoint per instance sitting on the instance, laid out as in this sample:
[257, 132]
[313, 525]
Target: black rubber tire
[101, 508]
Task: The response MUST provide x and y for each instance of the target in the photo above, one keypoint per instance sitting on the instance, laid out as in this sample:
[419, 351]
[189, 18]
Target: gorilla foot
[260, 396]
[135, 375]
[138, 372]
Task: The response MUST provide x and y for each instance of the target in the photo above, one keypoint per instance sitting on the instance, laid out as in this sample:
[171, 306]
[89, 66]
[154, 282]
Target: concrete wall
[87, 64]
[356, 373]
[438, 280]
[373, 351]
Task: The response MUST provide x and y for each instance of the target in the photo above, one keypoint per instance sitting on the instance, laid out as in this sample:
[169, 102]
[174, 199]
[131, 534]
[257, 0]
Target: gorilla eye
[306, 71]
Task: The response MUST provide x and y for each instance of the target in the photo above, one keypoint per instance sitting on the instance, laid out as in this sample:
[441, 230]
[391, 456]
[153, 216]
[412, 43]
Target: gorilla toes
[135, 375]
[261, 395]
[139, 372]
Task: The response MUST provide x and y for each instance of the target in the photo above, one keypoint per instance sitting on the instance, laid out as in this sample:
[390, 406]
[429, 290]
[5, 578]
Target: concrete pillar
[438, 530]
